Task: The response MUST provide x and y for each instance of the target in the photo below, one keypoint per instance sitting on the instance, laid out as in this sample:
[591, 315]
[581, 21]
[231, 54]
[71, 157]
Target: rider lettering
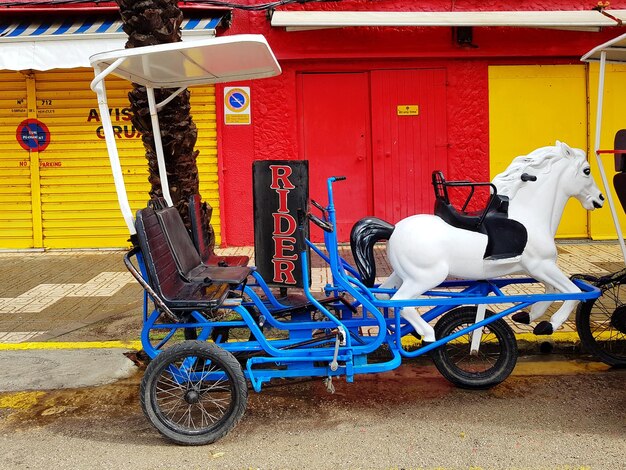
[283, 271]
[283, 244]
[284, 227]
[280, 174]
[282, 200]
[279, 226]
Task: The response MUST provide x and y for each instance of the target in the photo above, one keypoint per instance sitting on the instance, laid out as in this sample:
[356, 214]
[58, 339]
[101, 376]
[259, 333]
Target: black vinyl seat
[187, 258]
[199, 237]
[506, 238]
[619, 180]
[177, 293]
[619, 183]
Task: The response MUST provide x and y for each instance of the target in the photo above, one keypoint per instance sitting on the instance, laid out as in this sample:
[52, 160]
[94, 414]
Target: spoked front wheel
[194, 393]
[491, 364]
[601, 325]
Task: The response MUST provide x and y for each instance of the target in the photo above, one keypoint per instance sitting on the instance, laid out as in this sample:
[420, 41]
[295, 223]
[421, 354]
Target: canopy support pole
[98, 86]
[158, 146]
[607, 188]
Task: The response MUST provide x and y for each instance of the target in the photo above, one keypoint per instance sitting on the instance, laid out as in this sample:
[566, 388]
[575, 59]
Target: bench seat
[202, 244]
[187, 258]
[177, 293]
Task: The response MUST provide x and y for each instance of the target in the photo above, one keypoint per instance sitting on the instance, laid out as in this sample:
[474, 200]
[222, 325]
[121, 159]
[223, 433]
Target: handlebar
[326, 224]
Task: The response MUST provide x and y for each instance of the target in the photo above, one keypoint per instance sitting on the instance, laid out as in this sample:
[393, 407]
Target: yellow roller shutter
[533, 106]
[79, 204]
[16, 211]
[204, 115]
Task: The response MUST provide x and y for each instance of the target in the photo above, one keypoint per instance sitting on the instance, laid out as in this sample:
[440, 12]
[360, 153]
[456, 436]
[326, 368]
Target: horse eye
[587, 171]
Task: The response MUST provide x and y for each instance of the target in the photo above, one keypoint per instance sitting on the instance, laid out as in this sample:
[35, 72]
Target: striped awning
[45, 45]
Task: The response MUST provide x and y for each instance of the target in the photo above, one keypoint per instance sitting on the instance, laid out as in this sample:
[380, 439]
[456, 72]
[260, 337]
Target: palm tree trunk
[150, 22]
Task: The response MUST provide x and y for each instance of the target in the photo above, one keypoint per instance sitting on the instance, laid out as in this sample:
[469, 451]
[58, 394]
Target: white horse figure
[424, 250]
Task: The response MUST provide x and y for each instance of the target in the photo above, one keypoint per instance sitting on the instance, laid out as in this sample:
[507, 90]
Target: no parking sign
[32, 134]
[237, 105]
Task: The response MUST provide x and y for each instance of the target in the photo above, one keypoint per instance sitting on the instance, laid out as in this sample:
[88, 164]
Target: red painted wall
[274, 133]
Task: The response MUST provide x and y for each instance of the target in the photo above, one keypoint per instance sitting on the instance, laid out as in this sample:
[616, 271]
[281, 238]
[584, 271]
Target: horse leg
[536, 310]
[411, 289]
[550, 274]
[392, 282]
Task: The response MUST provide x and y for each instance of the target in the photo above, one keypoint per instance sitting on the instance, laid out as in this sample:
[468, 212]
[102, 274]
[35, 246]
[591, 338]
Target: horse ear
[566, 150]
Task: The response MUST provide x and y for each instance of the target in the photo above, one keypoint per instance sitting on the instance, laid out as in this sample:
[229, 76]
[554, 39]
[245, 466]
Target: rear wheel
[494, 361]
[194, 393]
[601, 325]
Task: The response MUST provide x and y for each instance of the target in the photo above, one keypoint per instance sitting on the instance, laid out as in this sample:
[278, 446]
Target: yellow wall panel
[533, 106]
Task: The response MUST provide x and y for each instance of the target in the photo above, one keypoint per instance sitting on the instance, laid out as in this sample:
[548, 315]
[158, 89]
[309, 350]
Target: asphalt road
[555, 415]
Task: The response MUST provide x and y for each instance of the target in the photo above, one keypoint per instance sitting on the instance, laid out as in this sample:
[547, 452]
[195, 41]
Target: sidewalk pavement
[47, 297]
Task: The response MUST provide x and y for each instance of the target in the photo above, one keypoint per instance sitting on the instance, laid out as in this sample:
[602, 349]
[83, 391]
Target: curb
[525, 341]
[557, 343]
[135, 345]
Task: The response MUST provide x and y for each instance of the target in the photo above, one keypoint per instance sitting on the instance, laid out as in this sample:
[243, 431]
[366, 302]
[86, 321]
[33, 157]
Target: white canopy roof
[615, 51]
[206, 61]
[585, 20]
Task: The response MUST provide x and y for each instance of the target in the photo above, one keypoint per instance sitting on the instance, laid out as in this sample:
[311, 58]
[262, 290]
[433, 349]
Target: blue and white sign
[237, 105]
[33, 135]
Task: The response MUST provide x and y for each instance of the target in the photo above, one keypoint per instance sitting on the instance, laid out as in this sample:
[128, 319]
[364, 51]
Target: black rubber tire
[597, 333]
[161, 397]
[498, 346]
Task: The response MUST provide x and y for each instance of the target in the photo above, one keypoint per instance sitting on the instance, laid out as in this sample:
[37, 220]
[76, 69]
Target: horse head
[578, 181]
[573, 173]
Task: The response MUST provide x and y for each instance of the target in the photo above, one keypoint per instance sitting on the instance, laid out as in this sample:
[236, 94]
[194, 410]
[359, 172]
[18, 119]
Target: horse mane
[537, 162]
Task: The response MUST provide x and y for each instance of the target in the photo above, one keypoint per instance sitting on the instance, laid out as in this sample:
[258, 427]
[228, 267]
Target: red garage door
[384, 130]
[409, 140]
[335, 136]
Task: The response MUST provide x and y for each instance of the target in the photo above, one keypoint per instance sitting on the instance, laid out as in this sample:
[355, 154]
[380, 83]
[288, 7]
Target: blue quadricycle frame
[333, 337]
[300, 349]
[196, 390]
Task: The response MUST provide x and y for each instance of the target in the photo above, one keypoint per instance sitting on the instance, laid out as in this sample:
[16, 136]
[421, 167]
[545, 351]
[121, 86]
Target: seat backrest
[198, 234]
[620, 144]
[157, 203]
[185, 254]
[157, 254]
[619, 182]
[441, 192]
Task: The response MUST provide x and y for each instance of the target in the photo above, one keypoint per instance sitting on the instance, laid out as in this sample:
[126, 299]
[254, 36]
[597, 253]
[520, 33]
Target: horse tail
[364, 235]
